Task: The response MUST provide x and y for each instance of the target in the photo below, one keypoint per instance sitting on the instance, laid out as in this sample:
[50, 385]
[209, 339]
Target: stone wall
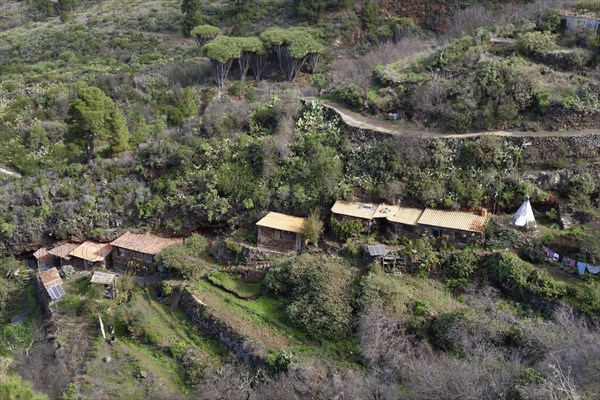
[248, 350]
[266, 238]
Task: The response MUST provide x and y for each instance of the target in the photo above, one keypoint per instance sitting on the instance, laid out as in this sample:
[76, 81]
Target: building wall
[276, 239]
[80, 263]
[454, 236]
[122, 258]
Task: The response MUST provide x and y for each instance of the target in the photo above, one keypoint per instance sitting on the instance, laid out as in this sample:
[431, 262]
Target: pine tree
[311, 10]
[95, 119]
[370, 15]
[192, 15]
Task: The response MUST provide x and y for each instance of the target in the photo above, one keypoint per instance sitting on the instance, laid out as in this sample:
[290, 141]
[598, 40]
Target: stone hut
[281, 232]
[90, 255]
[461, 228]
[43, 259]
[62, 253]
[139, 249]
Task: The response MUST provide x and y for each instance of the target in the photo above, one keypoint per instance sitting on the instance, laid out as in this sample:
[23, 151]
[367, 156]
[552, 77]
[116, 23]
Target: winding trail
[401, 128]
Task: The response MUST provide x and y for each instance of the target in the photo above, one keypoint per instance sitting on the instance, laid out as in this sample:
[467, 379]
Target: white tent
[524, 216]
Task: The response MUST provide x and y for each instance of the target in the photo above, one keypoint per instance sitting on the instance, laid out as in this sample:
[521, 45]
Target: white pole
[102, 327]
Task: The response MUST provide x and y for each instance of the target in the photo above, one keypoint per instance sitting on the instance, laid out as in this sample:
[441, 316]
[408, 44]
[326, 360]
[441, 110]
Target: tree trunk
[221, 71]
[313, 60]
[259, 62]
[244, 63]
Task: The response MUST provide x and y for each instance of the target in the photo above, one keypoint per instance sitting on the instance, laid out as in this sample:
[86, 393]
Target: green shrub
[346, 229]
[523, 278]
[320, 292]
[459, 269]
[536, 44]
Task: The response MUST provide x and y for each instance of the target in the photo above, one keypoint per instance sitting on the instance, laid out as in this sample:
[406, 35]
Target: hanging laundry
[556, 256]
[593, 269]
[572, 263]
[581, 267]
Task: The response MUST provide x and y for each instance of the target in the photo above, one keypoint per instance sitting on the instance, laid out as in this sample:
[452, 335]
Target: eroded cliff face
[430, 14]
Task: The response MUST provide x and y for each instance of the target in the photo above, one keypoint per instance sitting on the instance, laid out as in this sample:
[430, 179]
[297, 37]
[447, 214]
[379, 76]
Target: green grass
[235, 285]
[268, 316]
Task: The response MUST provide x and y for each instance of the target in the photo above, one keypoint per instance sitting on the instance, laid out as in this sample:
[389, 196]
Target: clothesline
[581, 266]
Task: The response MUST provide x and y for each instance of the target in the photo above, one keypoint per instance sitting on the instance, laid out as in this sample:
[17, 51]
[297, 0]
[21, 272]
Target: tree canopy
[94, 119]
[205, 33]
[223, 49]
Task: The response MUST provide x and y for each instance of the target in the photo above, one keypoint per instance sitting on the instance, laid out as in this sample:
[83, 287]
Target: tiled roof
[406, 216]
[283, 222]
[50, 278]
[92, 251]
[63, 250]
[355, 209]
[463, 221]
[146, 243]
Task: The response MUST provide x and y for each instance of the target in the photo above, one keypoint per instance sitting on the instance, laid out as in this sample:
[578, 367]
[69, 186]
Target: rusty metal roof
[92, 251]
[50, 278]
[406, 216]
[63, 250]
[146, 243]
[463, 221]
[355, 209]
[283, 222]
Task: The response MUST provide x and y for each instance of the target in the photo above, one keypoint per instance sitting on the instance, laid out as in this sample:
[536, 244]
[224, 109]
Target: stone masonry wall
[248, 350]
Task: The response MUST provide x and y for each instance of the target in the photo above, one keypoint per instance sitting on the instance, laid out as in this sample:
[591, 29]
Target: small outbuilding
[44, 260]
[62, 253]
[90, 255]
[108, 280]
[52, 283]
[139, 248]
[281, 232]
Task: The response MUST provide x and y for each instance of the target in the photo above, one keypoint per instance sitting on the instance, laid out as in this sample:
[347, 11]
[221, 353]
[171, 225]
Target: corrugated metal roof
[463, 221]
[384, 211]
[50, 278]
[146, 243]
[283, 222]
[92, 251]
[64, 250]
[103, 278]
[354, 209]
[406, 216]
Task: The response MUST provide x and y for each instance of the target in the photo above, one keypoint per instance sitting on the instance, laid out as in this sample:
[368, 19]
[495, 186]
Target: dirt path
[9, 172]
[402, 128]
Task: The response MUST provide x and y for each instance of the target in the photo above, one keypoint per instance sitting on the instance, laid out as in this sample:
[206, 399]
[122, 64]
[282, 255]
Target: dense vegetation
[191, 118]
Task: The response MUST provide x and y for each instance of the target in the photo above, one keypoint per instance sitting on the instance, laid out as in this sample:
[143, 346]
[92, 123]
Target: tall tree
[204, 34]
[252, 48]
[192, 15]
[293, 47]
[222, 52]
[311, 10]
[94, 120]
[370, 15]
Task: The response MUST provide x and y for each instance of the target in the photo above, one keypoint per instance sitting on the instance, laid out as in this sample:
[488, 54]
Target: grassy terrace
[156, 350]
[265, 320]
